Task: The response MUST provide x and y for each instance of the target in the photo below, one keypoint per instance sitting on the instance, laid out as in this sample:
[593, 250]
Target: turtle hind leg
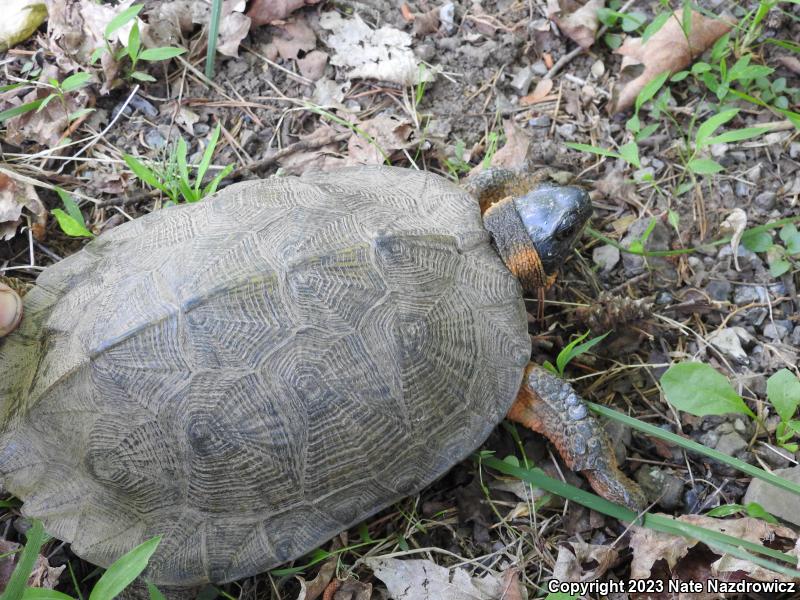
[548, 405]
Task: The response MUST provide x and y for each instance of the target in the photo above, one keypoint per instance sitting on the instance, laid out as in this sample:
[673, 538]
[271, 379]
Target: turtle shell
[250, 375]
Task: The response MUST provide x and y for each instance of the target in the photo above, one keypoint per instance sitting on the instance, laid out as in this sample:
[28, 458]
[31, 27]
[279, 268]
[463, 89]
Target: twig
[94, 139]
[302, 145]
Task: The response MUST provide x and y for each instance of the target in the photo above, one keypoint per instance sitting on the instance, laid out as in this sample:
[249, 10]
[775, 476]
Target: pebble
[540, 121]
[729, 343]
[777, 330]
[765, 200]
[794, 150]
[659, 485]
[567, 130]
[795, 339]
[745, 294]
[779, 502]
[606, 257]
[522, 80]
[447, 14]
[731, 443]
[154, 139]
[775, 457]
[201, 128]
[143, 106]
[719, 290]
[741, 189]
[539, 68]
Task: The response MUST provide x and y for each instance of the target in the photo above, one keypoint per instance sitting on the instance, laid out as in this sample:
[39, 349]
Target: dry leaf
[264, 12]
[667, 50]
[734, 226]
[43, 575]
[514, 154]
[384, 54]
[420, 579]
[323, 158]
[14, 196]
[312, 65]
[294, 38]
[539, 93]
[168, 22]
[579, 561]
[512, 588]
[580, 24]
[426, 23]
[387, 134]
[663, 556]
[76, 28]
[790, 62]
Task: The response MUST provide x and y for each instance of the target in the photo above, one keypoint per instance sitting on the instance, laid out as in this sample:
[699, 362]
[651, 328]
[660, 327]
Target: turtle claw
[549, 405]
[10, 310]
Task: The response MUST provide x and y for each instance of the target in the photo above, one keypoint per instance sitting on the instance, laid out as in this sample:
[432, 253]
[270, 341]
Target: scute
[251, 374]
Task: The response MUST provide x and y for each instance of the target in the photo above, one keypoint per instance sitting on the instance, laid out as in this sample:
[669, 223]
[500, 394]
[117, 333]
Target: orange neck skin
[515, 246]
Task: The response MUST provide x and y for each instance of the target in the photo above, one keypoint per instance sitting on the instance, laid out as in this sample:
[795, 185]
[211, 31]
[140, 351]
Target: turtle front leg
[548, 405]
[10, 310]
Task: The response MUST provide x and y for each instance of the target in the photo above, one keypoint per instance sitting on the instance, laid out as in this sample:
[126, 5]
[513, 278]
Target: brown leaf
[168, 22]
[323, 158]
[264, 12]
[294, 38]
[514, 154]
[790, 62]
[15, 196]
[76, 28]
[539, 93]
[426, 23]
[312, 65]
[661, 555]
[579, 561]
[667, 50]
[388, 135]
[580, 24]
[512, 590]
[43, 575]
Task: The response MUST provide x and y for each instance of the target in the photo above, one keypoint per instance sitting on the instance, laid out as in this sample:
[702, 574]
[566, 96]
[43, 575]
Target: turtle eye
[565, 233]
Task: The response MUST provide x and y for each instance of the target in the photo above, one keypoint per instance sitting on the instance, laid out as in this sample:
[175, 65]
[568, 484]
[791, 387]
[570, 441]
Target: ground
[657, 272]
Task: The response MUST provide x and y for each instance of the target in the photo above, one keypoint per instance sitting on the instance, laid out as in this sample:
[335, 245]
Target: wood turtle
[252, 374]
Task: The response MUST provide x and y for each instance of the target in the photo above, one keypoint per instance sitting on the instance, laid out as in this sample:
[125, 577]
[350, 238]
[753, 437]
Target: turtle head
[535, 229]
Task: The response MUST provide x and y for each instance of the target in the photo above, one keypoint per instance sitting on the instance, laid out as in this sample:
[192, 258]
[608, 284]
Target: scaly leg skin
[549, 405]
[10, 310]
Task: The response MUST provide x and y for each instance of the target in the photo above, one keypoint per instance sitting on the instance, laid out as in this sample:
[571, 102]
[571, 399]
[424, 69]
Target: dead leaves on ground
[663, 556]
[14, 197]
[384, 54]
[669, 49]
[422, 579]
[265, 12]
[578, 22]
[42, 576]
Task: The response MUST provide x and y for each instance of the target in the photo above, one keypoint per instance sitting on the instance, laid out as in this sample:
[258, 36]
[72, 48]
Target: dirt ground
[290, 103]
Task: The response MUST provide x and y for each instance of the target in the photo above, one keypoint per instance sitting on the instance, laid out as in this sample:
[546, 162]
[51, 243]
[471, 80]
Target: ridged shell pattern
[252, 374]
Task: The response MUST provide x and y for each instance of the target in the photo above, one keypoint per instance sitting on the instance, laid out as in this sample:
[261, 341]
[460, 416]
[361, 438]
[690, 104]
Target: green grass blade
[19, 578]
[44, 594]
[212, 187]
[124, 570]
[208, 154]
[213, 30]
[661, 523]
[144, 173]
[20, 110]
[122, 19]
[693, 446]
